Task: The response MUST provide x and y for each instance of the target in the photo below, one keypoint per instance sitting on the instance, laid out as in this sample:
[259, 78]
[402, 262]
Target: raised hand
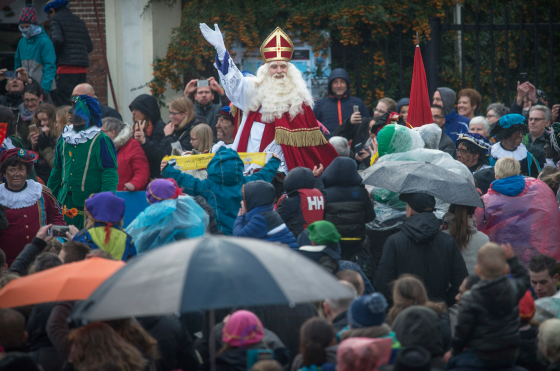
[214, 37]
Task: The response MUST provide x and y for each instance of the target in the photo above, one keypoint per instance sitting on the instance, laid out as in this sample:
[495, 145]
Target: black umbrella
[414, 176]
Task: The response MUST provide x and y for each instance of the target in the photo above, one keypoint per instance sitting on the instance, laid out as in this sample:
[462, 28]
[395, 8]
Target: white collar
[499, 152]
[19, 200]
[71, 137]
[550, 162]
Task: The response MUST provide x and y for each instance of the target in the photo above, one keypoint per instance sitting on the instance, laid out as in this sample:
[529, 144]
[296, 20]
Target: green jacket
[39, 59]
[83, 169]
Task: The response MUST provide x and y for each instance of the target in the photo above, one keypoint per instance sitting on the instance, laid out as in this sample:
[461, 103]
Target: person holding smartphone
[29, 205]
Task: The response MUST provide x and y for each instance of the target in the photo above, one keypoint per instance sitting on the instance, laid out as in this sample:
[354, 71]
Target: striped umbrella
[210, 273]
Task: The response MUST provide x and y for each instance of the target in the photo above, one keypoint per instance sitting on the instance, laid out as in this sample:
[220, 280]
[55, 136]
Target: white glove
[214, 37]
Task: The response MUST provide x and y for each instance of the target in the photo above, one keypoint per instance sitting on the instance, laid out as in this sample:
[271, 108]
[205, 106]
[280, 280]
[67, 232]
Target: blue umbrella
[210, 273]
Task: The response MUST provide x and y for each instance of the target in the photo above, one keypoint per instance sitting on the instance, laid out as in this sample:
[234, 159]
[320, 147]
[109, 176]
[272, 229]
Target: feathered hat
[88, 109]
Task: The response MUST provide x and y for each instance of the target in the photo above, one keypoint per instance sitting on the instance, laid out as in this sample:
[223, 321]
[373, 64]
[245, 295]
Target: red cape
[301, 139]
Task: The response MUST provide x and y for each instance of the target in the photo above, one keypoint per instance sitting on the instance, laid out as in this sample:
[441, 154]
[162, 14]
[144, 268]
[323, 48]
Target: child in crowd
[488, 320]
[257, 218]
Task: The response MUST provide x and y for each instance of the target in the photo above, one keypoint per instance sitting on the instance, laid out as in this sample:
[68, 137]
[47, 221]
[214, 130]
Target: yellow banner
[195, 162]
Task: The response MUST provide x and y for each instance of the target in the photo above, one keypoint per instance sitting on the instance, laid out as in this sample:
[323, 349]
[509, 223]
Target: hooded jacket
[488, 318]
[261, 221]
[222, 189]
[37, 55]
[154, 151]
[455, 124]
[133, 166]
[332, 111]
[348, 205]
[421, 249]
[290, 207]
[70, 37]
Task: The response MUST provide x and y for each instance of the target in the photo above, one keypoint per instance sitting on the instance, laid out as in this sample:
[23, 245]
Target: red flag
[419, 111]
[3, 127]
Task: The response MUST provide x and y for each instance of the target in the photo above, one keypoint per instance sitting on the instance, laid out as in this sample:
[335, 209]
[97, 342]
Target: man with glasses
[445, 142]
[540, 118]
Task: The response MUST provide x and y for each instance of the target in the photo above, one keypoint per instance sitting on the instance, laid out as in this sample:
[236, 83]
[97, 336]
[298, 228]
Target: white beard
[278, 96]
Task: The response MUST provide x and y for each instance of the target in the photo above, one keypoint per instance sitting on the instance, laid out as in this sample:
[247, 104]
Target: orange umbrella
[72, 281]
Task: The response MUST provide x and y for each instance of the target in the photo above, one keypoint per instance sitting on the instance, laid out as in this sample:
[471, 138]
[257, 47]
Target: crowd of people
[433, 285]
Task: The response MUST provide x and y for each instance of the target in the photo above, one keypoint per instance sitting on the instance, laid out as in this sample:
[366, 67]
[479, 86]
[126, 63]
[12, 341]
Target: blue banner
[135, 203]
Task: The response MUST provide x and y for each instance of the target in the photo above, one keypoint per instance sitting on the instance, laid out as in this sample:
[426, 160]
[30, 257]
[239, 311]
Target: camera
[58, 231]
[202, 84]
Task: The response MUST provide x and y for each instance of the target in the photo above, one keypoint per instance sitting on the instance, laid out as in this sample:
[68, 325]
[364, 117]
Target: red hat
[527, 307]
[277, 47]
[28, 15]
[26, 156]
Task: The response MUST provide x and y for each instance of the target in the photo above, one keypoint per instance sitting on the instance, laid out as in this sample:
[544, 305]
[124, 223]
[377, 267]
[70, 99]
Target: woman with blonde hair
[549, 342]
[62, 117]
[98, 344]
[44, 141]
[202, 138]
[183, 120]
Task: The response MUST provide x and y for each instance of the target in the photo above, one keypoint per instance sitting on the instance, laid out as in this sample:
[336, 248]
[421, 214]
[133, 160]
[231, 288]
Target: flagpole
[417, 42]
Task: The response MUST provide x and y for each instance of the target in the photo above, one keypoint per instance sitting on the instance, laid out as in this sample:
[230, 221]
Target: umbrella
[414, 176]
[419, 111]
[210, 273]
[72, 281]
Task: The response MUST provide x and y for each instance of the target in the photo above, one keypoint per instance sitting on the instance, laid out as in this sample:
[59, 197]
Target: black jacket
[40, 346]
[340, 321]
[208, 113]
[446, 144]
[12, 101]
[488, 318]
[27, 256]
[421, 249]
[70, 37]
[326, 109]
[182, 136]
[348, 205]
[154, 150]
[290, 207]
[357, 133]
[175, 345]
[235, 359]
[528, 353]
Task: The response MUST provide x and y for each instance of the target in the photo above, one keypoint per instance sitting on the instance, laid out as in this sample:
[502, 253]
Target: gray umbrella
[414, 176]
[210, 273]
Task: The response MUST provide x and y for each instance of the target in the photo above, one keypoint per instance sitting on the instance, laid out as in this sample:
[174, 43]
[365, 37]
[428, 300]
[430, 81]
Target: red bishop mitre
[277, 47]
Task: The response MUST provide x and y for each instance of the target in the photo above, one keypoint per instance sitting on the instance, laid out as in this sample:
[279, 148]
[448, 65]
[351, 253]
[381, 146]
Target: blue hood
[339, 73]
[510, 186]
[341, 172]
[226, 168]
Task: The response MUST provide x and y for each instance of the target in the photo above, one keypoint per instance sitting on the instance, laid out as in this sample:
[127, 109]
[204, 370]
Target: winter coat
[27, 256]
[261, 221]
[208, 113]
[421, 249]
[222, 189]
[12, 101]
[40, 347]
[120, 244]
[348, 205]
[508, 204]
[340, 321]
[133, 166]
[488, 317]
[355, 133]
[331, 111]
[455, 124]
[330, 356]
[70, 37]
[236, 359]
[528, 352]
[182, 136]
[152, 147]
[175, 345]
[37, 55]
[446, 144]
[290, 207]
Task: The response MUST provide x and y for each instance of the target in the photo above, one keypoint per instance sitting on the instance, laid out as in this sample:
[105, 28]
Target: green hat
[395, 138]
[323, 233]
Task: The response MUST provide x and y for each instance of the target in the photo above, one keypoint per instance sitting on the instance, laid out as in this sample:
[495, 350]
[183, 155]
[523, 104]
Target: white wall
[133, 42]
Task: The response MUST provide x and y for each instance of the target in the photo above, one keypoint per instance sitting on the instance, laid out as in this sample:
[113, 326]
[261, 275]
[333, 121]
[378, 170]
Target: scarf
[33, 30]
[26, 114]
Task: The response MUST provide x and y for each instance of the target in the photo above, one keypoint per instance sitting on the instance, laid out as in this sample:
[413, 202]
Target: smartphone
[522, 77]
[359, 147]
[255, 355]
[34, 129]
[58, 231]
[10, 74]
[202, 84]
[356, 109]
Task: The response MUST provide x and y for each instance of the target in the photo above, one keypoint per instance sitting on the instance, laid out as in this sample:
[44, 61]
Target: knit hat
[242, 329]
[88, 110]
[28, 15]
[162, 189]
[226, 113]
[323, 232]
[367, 311]
[24, 155]
[55, 4]
[526, 307]
[415, 358]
